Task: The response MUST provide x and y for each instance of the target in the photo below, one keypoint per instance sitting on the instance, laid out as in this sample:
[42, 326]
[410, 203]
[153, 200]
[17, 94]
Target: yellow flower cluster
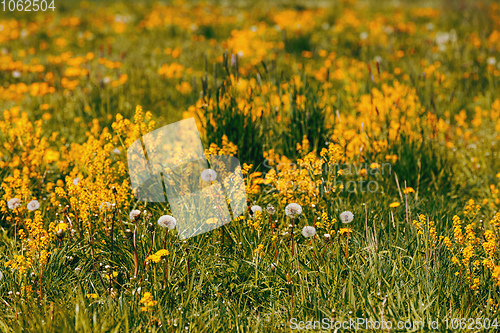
[227, 148]
[311, 179]
[467, 245]
[19, 263]
[36, 241]
[156, 257]
[127, 132]
[427, 229]
[256, 221]
[173, 70]
[26, 153]
[95, 177]
[259, 250]
[490, 245]
[148, 301]
[186, 16]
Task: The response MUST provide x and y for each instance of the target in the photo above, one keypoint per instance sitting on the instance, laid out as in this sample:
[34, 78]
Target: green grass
[216, 281]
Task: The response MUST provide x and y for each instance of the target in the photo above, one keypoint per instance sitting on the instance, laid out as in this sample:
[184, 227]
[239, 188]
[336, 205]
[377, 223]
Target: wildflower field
[367, 135]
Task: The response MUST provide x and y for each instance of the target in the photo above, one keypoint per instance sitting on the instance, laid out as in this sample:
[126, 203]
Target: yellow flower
[51, 156]
[496, 273]
[157, 256]
[343, 231]
[448, 243]
[409, 190]
[184, 88]
[111, 275]
[62, 226]
[394, 204]
[148, 301]
[259, 249]
[92, 296]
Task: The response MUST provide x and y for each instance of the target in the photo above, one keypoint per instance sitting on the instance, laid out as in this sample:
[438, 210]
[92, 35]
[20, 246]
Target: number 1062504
[27, 5]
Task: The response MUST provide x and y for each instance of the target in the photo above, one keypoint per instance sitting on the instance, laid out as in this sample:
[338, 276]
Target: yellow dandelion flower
[156, 257]
[344, 231]
[409, 190]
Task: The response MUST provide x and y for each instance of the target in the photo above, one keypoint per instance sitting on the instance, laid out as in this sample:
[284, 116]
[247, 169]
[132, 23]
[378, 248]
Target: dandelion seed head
[14, 203]
[346, 217]
[293, 210]
[209, 175]
[308, 231]
[134, 214]
[167, 222]
[33, 205]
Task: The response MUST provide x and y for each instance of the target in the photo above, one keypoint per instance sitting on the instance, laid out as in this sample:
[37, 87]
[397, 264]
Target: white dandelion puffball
[33, 205]
[308, 231]
[346, 217]
[134, 214]
[1, 275]
[209, 175]
[293, 210]
[255, 208]
[167, 222]
[327, 237]
[14, 203]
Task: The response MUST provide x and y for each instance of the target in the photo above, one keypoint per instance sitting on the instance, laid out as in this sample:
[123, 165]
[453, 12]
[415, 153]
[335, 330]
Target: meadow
[368, 136]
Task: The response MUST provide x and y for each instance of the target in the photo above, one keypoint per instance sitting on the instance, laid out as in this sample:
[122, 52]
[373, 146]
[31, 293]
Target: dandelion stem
[113, 225]
[347, 247]
[147, 255]
[136, 259]
[187, 252]
[111, 241]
